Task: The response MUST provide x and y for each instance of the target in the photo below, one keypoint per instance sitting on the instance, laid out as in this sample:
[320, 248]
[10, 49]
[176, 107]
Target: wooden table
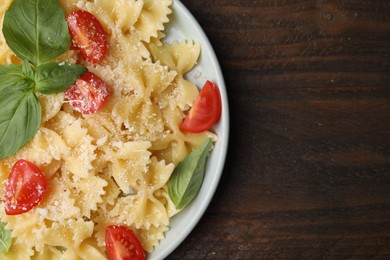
[308, 168]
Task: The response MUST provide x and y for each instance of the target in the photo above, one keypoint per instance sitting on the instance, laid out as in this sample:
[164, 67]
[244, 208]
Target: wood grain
[308, 169]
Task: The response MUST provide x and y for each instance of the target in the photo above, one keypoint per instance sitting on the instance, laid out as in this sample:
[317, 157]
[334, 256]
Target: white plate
[183, 26]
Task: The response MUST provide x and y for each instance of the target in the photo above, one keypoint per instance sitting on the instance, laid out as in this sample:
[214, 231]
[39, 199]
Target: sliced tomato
[88, 35]
[88, 94]
[206, 110]
[122, 244]
[25, 188]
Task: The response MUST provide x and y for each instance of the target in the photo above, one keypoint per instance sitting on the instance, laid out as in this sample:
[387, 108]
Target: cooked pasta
[110, 167]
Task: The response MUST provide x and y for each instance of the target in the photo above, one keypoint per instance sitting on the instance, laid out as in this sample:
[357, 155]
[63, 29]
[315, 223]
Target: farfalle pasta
[110, 167]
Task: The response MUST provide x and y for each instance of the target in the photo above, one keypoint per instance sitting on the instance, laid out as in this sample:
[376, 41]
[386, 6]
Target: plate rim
[162, 250]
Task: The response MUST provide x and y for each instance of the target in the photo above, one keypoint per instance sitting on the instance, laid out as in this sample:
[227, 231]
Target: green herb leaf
[10, 74]
[36, 30]
[20, 115]
[187, 178]
[5, 239]
[28, 71]
[54, 77]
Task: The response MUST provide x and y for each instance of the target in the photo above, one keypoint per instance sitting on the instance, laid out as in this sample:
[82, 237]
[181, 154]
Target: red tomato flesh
[88, 35]
[88, 94]
[122, 244]
[25, 188]
[206, 110]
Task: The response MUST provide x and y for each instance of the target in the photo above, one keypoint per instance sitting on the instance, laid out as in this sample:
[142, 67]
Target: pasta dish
[110, 167]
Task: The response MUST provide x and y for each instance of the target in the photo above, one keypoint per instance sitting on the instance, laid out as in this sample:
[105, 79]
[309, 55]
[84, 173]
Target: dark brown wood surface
[308, 169]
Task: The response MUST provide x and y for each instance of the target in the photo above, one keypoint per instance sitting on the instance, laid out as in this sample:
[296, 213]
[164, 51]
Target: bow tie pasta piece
[153, 78]
[141, 119]
[152, 19]
[130, 162]
[142, 208]
[88, 192]
[130, 44]
[121, 14]
[180, 57]
[82, 152]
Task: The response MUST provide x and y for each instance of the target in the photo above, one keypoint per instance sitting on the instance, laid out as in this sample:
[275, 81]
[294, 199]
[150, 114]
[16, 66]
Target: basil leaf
[188, 175]
[10, 74]
[54, 77]
[20, 116]
[36, 30]
[28, 72]
[5, 239]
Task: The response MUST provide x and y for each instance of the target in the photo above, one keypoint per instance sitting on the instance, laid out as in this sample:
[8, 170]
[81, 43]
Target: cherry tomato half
[88, 94]
[205, 111]
[88, 35]
[122, 244]
[25, 188]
